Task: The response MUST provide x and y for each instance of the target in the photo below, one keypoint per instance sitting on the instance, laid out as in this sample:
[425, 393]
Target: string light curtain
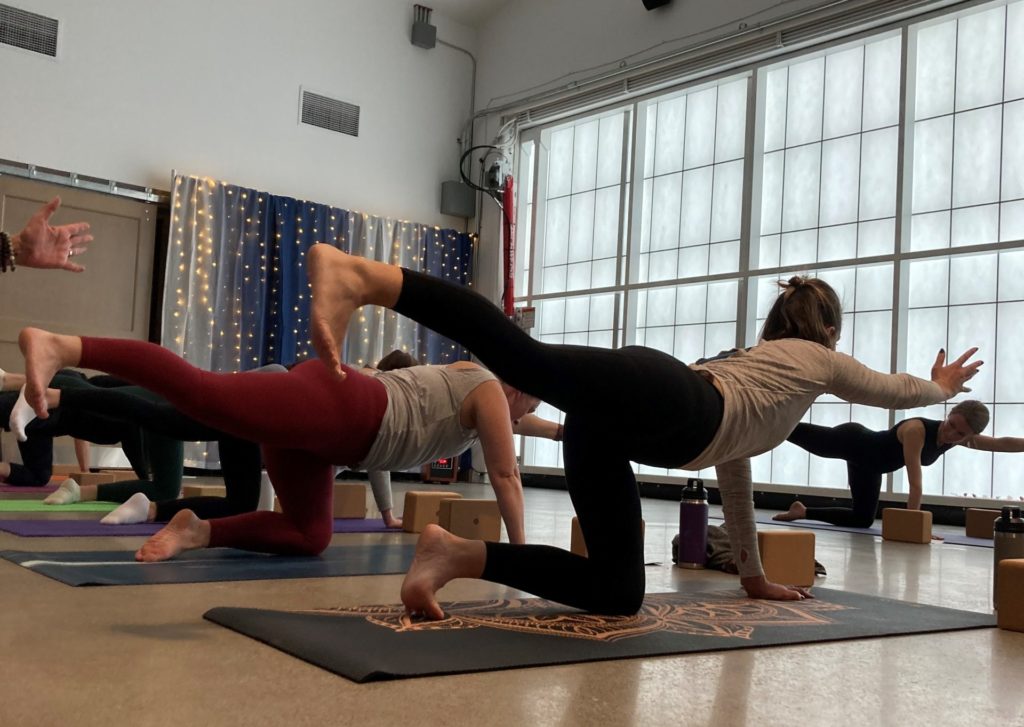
[236, 295]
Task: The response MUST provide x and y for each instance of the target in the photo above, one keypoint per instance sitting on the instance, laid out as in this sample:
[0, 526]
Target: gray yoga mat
[373, 643]
[94, 528]
[117, 568]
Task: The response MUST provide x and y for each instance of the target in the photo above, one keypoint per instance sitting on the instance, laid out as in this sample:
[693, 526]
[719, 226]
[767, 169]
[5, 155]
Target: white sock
[133, 510]
[69, 492]
[21, 415]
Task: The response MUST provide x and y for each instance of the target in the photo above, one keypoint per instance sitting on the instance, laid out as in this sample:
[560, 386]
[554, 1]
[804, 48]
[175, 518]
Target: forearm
[508, 490]
[915, 490]
[736, 491]
[380, 485]
[533, 426]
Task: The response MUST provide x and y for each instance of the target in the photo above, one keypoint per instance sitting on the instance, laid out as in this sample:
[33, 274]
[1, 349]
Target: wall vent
[22, 29]
[329, 113]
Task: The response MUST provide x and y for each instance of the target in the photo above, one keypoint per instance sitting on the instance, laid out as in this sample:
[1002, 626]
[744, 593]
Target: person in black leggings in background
[630, 404]
[912, 443]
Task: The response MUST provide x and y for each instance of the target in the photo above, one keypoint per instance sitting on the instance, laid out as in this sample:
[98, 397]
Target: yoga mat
[94, 528]
[371, 643]
[815, 525]
[114, 568]
[964, 540]
[42, 490]
[39, 506]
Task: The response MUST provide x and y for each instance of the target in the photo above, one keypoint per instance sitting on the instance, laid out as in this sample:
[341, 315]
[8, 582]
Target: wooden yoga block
[421, 508]
[473, 519]
[578, 546]
[349, 500]
[907, 526]
[64, 469]
[86, 479]
[204, 491]
[978, 522]
[120, 475]
[1010, 597]
[787, 556]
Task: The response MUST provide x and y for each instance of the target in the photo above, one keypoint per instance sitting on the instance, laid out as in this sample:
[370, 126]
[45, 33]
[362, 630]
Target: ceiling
[467, 12]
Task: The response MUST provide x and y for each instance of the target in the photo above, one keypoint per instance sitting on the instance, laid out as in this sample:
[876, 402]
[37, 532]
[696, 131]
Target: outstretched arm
[494, 425]
[995, 444]
[911, 436]
[532, 425]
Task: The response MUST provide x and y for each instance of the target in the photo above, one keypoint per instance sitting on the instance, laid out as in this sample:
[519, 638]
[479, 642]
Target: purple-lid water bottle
[693, 525]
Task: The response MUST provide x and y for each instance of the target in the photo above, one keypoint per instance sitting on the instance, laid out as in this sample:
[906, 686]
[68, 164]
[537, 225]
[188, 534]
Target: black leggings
[241, 464]
[858, 446]
[629, 404]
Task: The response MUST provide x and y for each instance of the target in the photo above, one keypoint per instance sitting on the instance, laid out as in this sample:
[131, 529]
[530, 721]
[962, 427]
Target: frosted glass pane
[600, 339]
[724, 257]
[837, 243]
[693, 261]
[799, 247]
[789, 464]
[691, 304]
[665, 212]
[840, 165]
[556, 235]
[560, 163]
[872, 339]
[1013, 150]
[976, 157]
[584, 156]
[1011, 275]
[882, 83]
[1014, 73]
[929, 232]
[1011, 221]
[975, 225]
[870, 416]
[577, 276]
[972, 279]
[722, 301]
[649, 138]
[719, 337]
[767, 292]
[606, 222]
[768, 252]
[800, 196]
[602, 312]
[843, 281]
[936, 64]
[975, 325]
[668, 150]
[874, 288]
[979, 59]
[929, 283]
[776, 83]
[663, 265]
[771, 193]
[577, 314]
[878, 174]
[728, 201]
[966, 473]
[1010, 354]
[701, 109]
[1007, 421]
[696, 206]
[926, 334]
[550, 316]
[731, 127]
[877, 237]
[581, 227]
[639, 302]
[843, 84]
[644, 268]
[689, 343]
[803, 111]
[661, 339]
[933, 164]
[609, 151]
[553, 279]
[603, 273]
[761, 467]
[661, 305]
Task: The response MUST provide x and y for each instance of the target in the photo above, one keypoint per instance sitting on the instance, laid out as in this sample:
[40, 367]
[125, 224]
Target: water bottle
[693, 525]
[1008, 540]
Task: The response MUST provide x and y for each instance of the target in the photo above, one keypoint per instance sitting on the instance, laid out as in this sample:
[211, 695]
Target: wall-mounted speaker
[652, 4]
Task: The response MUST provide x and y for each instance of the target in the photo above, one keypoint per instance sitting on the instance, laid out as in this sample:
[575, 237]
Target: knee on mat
[863, 520]
[315, 543]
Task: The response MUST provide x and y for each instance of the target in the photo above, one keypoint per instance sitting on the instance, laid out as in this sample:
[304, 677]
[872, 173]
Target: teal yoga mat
[39, 506]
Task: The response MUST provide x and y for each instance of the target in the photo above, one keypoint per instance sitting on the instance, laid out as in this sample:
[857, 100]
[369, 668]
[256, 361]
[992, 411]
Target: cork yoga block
[787, 556]
[204, 491]
[472, 519]
[906, 526]
[1010, 596]
[578, 546]
[88, 479]
[978, 522]
[349, 500]
[120, 475]
[422, 508]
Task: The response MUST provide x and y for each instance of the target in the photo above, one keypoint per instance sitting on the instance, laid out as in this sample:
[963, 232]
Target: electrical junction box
[458, 200]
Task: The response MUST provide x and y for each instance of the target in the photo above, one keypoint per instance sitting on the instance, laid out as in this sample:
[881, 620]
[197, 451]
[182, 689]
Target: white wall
[142, 87]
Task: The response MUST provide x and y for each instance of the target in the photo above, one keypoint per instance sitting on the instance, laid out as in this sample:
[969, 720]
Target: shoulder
[463, 366]
[913, 428]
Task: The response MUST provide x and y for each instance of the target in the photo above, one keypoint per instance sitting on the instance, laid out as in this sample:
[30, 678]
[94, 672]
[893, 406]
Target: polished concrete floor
[143, 655]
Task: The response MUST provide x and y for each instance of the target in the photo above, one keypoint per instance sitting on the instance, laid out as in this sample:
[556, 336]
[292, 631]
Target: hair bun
[795, 282]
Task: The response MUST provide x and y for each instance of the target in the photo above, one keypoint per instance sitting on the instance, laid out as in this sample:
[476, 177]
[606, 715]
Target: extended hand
[40, 245]
[952, 377]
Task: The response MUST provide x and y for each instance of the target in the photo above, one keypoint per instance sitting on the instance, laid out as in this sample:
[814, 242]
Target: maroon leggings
[305, 421]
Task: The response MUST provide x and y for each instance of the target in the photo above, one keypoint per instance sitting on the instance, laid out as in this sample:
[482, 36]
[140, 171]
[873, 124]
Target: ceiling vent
[29, 31]
[329, 113]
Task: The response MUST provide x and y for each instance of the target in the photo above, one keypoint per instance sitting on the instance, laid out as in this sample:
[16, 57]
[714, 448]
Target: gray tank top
[421, 422]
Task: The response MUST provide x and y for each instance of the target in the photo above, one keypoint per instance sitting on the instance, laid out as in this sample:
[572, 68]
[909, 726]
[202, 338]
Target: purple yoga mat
[93, 528]
[44, 490]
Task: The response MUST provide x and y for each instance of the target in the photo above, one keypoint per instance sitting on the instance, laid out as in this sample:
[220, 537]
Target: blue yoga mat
[116, 568]
[94, 528]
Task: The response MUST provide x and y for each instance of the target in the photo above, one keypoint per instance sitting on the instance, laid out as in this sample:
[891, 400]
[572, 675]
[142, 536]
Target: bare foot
[337, 291]
[796, 511]
[183, 532]
[440, 558]
[45, 354]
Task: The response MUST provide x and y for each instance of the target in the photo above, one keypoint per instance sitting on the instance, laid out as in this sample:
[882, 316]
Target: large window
[889, 166]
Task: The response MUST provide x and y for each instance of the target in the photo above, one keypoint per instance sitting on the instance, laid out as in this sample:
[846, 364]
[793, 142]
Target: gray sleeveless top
[421, 422]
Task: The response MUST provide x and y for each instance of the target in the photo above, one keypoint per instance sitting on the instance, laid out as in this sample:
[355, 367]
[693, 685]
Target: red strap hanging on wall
[508, 232]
